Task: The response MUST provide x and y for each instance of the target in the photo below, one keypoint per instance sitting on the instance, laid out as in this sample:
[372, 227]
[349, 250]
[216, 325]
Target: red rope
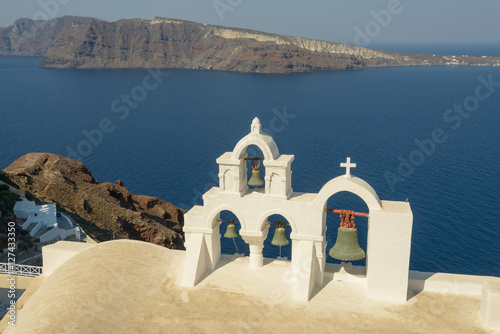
[347, 217]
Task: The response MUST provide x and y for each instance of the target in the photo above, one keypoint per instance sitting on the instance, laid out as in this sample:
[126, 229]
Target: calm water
[167, 144]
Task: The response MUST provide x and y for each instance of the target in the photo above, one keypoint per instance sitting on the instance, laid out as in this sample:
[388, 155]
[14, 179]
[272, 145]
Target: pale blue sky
[332, 20]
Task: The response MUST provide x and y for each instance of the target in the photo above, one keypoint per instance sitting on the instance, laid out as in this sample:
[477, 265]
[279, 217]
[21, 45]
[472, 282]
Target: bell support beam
[359, 214]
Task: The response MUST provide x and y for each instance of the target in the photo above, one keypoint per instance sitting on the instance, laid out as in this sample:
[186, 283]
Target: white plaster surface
[56, 254]
[490, 305]
[135, 287]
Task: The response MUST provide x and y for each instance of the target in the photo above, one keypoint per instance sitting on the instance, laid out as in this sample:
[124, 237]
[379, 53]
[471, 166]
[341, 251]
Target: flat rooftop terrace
[134, 287]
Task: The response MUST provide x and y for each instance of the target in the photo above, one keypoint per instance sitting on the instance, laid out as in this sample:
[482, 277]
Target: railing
[4, 307]
[20, 270]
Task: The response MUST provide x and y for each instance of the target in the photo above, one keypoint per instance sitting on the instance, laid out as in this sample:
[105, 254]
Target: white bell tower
[389, 223]
[233, 167]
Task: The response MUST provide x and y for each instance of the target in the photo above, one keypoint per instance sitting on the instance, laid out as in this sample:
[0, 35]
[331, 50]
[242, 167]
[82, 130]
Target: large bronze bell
[346, 247]
[231, 231]
[255, 179]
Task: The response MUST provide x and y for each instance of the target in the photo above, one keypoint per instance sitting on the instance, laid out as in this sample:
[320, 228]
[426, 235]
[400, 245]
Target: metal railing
[20, 270]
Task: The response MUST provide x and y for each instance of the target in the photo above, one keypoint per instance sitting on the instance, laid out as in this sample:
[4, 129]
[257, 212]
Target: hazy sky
[332, 20]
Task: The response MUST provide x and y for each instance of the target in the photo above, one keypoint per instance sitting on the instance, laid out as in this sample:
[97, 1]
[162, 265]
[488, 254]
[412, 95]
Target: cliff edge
[104, 210]
[78, 42]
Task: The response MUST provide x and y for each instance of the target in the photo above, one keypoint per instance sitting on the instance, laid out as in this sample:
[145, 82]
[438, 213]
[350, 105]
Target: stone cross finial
[348, 165]
[256, 126]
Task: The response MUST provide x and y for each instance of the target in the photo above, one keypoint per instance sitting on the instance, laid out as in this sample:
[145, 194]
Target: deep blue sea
[165, 144]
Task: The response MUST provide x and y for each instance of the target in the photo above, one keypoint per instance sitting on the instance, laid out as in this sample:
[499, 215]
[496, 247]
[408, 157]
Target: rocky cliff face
[33, 38]
[72, 42]
[104, 210]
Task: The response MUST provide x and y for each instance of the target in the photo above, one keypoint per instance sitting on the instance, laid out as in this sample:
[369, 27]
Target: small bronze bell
[255, 179]
[231, 231]
[346, 247]
[279, 238]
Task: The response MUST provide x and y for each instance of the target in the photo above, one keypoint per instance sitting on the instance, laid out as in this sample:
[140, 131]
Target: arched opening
[272, 251]
[346, 201]
[253, 151]
[235, 245]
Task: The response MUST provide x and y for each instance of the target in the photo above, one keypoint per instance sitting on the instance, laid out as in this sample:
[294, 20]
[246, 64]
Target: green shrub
[6, 179]
[29, 196]
[7, 200]
[23, 245]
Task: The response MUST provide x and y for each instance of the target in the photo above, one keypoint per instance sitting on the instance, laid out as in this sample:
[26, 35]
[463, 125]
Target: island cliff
[104, 210]
[75, 42]
[33, 38]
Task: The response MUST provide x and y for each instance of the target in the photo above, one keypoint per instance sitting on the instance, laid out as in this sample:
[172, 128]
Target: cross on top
[348, 165]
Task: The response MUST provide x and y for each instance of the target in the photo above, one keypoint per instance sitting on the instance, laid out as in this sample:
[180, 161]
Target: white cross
[348, 165]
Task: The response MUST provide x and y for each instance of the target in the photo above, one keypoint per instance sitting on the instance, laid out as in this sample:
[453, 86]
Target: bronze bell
[279, 238]
[255, 179]
[346, 247]
[231, 231]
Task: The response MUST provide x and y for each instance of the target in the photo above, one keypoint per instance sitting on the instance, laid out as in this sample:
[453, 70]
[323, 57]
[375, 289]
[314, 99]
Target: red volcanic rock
[104, 210]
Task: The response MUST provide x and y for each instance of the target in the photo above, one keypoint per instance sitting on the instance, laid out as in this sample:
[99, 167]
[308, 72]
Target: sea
[415, 133]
